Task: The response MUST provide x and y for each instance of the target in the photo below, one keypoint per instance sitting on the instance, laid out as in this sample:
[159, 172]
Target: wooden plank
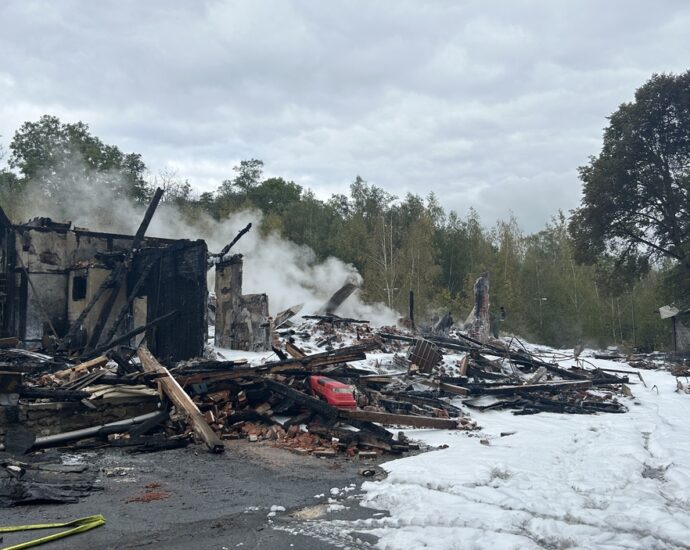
[527, 388]
[452, 388]
[401, 419]
[316, 405]
[309, 363]
[181, 400]
[10, 342]
[412, 310]
[81, 368]
[283, 316]
[372, 429]
[294, 351]
[463, 364]
[228, 246]
[335, 301]
[375, 379]
[306, 364]
[537, 376]
[448, 388]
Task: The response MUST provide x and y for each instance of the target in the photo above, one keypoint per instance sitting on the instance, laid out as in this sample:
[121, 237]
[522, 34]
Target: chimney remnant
[241, 320]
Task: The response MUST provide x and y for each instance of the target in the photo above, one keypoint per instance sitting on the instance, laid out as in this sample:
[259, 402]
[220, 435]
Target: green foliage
[11, 188]
[412, 243]
[53, 158]
[274, 195]
[248, 176]
[636, 203]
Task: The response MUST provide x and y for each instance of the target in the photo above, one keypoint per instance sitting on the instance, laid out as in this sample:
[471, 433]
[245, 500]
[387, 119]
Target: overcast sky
[488, 104]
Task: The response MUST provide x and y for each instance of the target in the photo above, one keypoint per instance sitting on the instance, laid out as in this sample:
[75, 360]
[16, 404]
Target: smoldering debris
[331, 384]
[281, 401]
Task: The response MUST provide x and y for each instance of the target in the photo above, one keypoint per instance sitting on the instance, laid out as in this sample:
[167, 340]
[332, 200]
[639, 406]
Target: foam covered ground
[559, 481]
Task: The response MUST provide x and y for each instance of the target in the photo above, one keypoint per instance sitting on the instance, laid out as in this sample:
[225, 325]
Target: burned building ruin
[50, 271]
[242, 320]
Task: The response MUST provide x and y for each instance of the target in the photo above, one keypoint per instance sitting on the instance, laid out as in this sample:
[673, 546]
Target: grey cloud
[491, 105]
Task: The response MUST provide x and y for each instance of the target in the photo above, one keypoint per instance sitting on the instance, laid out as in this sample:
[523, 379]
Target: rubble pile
[389, 377]
[275, 401]
[102, 364]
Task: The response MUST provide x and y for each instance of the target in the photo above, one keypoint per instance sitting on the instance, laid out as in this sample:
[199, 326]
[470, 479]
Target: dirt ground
[208, 501]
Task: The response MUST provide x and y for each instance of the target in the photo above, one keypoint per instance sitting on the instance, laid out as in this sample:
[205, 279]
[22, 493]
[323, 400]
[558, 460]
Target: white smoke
[288, 273]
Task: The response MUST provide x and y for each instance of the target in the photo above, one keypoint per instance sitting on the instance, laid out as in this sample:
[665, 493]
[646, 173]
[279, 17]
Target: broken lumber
[334, 319]
[283, 316]
[81, 368]
[306, 365]
[411, 314]
[294, 351]
[113, 282]
[232, 243]
[181, 400]
[335, 301]
[10, 342]
[321, 408]
[131, 334]
[130, 299]
[452, 388]
[527, 388]
[56, 394]
[401, 419]
[376, 379]
[448, 388]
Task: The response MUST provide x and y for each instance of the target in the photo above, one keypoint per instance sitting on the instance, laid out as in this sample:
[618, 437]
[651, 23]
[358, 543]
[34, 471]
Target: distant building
[680, 319]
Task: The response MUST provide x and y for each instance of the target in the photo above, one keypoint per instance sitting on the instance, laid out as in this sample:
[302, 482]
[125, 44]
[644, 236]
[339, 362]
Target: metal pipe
[57, 439]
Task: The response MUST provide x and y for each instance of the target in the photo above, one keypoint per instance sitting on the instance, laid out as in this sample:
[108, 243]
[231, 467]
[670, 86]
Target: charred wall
[55, 258]
[177, 282]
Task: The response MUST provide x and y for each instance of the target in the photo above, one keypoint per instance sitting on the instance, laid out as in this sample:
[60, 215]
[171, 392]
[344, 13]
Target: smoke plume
[289, 273]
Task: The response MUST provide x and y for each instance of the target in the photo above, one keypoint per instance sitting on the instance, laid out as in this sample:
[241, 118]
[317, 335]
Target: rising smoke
[289, 273]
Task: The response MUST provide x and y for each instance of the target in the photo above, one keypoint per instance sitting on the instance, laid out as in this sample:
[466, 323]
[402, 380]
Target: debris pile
[495, 374]
[216, 399]
[336, 384]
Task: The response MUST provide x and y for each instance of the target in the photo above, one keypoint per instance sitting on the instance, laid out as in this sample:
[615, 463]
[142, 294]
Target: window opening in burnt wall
[78, 288]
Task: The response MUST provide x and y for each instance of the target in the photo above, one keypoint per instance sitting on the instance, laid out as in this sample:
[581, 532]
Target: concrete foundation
[54, 418]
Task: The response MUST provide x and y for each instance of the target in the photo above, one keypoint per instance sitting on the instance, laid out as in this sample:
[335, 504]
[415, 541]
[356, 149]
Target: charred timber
[317, 406]
[401, 419]
[131, 334]
[232, 243]
[54, 394]
[334, 319]
[529, 388]
[181, 400]
[113, 281]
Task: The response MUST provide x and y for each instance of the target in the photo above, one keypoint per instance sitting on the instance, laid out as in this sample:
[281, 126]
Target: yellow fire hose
[77, 526]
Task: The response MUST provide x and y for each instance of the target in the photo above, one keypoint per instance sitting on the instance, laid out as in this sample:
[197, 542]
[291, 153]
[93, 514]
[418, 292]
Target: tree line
[595, 277]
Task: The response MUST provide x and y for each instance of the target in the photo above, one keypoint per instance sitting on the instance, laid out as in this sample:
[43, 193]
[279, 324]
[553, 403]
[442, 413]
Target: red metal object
[333, 392]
